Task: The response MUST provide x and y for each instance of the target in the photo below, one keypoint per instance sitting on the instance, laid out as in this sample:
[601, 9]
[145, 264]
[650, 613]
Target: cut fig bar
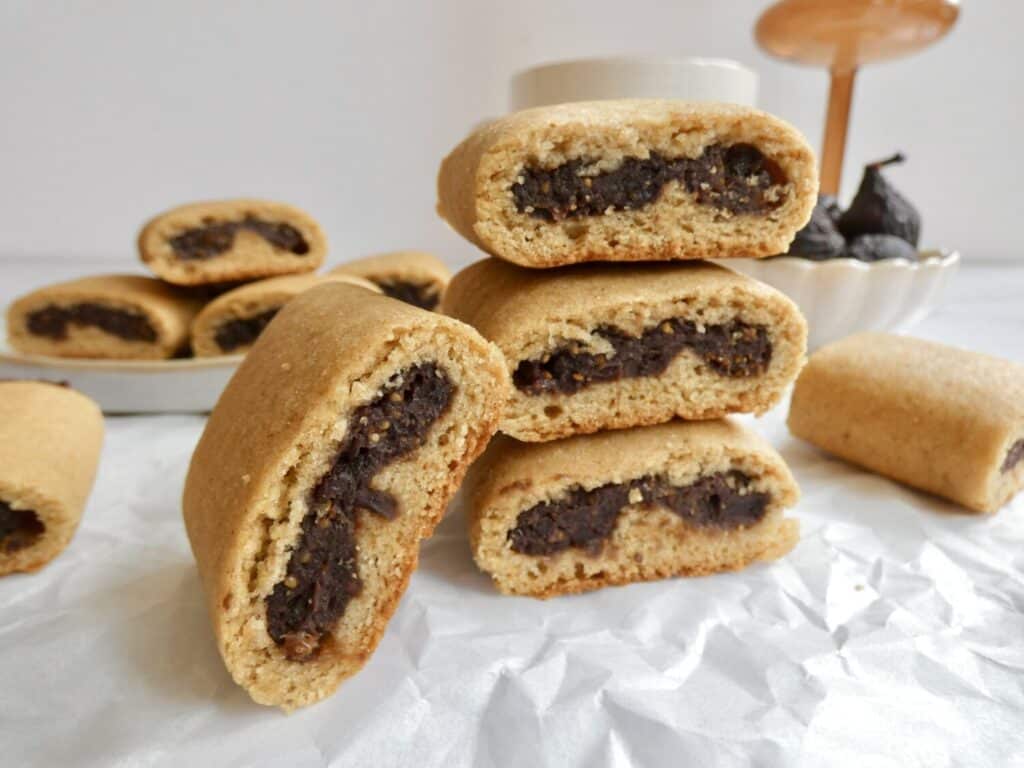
[415, 277]
[50, 440]
[231, 323]
[228, 241]
[627, 180]
[630, 505]
[612, 346]
[332, 452]
[108, 316]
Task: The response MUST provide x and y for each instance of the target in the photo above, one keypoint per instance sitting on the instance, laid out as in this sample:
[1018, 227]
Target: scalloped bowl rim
[929, 258]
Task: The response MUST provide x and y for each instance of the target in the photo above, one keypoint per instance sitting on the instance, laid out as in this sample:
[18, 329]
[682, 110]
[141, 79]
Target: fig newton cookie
[633, 180]
[231, 240]
[414, 277]
[941, 419]
[609, 346]
[332, 452]
[50, 440]
[677, 499]
[109, 316]
[230, 324]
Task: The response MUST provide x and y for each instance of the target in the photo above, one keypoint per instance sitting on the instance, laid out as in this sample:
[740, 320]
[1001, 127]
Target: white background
[112, 111]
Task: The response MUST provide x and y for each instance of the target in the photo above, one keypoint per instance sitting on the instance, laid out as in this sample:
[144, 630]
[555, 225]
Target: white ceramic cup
[633, 78]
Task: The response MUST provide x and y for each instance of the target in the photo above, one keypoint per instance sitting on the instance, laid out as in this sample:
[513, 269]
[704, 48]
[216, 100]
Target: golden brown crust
[647, 543]
[273, 434]
[934, 417]
[252, 299]
[250, 257]
[475, 180]
[50, 440]
[529, 313]
[168, 310]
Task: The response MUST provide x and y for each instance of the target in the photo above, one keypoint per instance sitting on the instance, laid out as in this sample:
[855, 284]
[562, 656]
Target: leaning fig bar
[633, 180]
[332, 452]
[609, 346]
[938, 418]
[107, 316]
[225, 241]
[677, 499]
[50, 440]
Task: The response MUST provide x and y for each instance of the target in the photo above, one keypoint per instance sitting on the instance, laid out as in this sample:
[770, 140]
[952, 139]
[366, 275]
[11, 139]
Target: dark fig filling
[585, 519]
[52, 321]
[736, 178]
[242, 331]
[217, 237]
[322, 574]
[422, 295]
[1013, 456]
[735, 349]
[19, 528]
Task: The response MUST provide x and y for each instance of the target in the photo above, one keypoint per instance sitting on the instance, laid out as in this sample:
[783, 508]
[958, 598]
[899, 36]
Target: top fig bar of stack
[630, 180]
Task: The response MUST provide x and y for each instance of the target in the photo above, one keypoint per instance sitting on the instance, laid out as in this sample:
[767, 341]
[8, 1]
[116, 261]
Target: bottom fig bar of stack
[619, 465]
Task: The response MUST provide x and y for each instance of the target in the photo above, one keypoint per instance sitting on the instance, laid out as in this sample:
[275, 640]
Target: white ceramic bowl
[691, 79]
[843, 296]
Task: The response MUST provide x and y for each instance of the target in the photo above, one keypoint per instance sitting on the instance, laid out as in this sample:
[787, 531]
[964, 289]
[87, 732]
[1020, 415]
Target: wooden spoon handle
[840, 94]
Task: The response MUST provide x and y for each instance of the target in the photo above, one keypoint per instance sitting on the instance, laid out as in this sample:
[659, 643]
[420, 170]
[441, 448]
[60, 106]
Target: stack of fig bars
[626, 349]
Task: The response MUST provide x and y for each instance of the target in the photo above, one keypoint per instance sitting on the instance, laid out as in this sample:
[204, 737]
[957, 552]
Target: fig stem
[899, 157]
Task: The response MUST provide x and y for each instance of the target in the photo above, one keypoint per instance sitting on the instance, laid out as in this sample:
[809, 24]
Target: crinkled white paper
[893, 635]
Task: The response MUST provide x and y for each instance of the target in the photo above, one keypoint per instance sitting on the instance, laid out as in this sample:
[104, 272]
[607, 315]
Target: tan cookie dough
[570, 336]
[633, 180]
[414, 277]
[677, 499]
[230, 324]
[225, 241]
[50, 440]
[941, 419]
[331, 388]
[109, 316]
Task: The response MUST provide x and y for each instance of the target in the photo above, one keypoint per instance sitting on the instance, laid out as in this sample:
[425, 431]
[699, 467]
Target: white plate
[190, 385]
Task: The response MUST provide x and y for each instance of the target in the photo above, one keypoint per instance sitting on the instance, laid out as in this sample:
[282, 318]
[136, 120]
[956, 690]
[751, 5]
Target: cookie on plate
[609, 346]
[938, 418]
[676, 499]
[227, 241]
[633, 180]
[415, 277]
[109, 316]
[50, 440]
[332, 452]
[230, 324]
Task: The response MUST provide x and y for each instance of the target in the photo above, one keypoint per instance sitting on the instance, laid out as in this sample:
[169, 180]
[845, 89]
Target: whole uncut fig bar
[415, 277]
[609, 346]
[50, 440]
[226, 241]
[231, 323]
[634, 180]
[940, 419]
[332, 452]
[676, 499]
[108, 316]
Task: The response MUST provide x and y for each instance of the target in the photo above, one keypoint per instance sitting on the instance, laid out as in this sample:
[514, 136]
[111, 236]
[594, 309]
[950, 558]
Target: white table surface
[891, 636]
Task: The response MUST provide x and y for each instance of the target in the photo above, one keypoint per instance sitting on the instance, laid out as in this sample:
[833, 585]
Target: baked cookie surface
[333, 450]
[108, 316]
[50, 440]
[631, 505]
[609, 346]
[232, 322]
[415, 277]
[630, 180]
[225, 241]
[938, 418]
